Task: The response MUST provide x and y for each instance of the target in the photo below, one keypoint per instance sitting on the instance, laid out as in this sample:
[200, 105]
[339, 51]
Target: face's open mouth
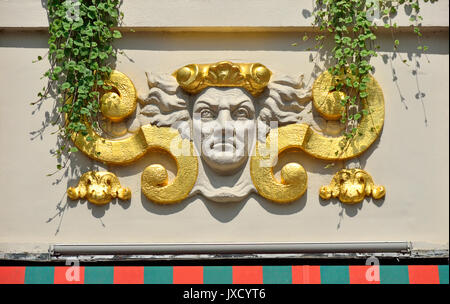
[225, 145]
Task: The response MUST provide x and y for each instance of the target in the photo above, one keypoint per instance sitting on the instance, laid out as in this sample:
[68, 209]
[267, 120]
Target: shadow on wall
[225, 212]
[413, 63]
[350, 210]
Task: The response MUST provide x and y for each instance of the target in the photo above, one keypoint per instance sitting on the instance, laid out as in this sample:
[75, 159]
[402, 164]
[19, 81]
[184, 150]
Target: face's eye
[207, 114]
[241, 113]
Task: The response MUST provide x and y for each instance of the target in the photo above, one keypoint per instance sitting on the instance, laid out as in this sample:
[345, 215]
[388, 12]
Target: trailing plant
[351, 24]
[80, 53]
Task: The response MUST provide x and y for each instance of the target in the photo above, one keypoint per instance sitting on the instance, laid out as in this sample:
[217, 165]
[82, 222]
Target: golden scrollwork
[99, 188]
[120, 103]
[294, 179]
[351, 186]
[303, 137]
[130, 149]
[154, 179]
[115, 105]
[193, 78]
[149, 138]
[328, 105]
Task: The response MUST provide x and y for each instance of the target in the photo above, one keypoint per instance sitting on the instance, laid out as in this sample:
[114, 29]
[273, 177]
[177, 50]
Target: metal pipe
[234, 248]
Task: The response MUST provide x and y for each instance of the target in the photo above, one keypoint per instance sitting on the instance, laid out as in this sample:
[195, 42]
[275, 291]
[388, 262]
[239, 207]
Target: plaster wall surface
[262, 14]
[410, 158]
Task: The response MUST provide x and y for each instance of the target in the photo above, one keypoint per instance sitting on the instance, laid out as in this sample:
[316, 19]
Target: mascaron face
[224, 127]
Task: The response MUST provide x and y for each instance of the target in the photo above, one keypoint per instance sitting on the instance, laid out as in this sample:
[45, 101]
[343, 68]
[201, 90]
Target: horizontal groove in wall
[269, 29]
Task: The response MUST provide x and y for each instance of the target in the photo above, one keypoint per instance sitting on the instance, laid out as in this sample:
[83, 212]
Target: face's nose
[224, 118]
[224, 122]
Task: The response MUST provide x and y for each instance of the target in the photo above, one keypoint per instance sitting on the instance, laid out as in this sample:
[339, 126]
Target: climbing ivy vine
[80, 55]
[351, 24]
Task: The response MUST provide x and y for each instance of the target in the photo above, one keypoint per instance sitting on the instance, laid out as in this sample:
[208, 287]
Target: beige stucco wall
[204, 14]
[410, 158]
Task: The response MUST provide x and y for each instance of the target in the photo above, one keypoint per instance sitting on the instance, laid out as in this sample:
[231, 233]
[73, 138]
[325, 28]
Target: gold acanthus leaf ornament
[351, 186]
[99, 188]
[253, 77]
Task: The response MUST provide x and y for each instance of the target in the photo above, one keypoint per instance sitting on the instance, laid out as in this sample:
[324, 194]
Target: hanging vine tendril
[351, 24]
[80, 53]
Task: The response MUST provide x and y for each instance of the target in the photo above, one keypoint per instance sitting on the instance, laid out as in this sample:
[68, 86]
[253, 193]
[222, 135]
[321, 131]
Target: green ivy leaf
[65, 86]
[116, 34]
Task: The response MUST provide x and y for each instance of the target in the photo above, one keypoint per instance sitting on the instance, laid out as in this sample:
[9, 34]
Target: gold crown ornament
[253, 77]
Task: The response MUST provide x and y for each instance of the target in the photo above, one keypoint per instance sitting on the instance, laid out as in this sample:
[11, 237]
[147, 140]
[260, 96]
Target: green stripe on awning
[277, 274]
[99, 275]
[393, 274]
[39, 275]
[443, 274]
[334, 275]
[158, 275]
[218, 275]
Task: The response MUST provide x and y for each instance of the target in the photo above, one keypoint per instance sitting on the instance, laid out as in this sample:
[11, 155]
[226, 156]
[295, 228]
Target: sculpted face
[224, 126]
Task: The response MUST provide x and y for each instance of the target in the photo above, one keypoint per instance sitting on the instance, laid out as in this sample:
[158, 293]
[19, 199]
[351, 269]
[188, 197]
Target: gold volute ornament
[154, 180]
[328, 105]
[253, 77]
[120, 103]
[99, 188]
[148, 139]
[294, 179]
[350, 186]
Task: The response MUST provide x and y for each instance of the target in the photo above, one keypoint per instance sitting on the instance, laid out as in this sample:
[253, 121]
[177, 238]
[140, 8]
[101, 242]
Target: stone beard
[223, 123]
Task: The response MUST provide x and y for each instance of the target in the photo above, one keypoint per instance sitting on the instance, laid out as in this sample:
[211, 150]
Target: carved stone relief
[225, 125]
